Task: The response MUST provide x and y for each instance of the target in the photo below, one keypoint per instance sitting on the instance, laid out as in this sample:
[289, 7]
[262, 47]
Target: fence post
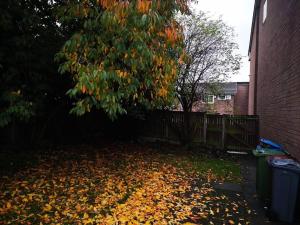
[223, 131]
[204, 128]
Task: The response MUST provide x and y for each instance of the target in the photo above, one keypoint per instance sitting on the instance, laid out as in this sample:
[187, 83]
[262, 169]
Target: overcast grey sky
[237, 14]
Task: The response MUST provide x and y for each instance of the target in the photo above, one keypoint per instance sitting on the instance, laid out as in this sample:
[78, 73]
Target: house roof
[243, 83]
[228, 88]
[255, 10]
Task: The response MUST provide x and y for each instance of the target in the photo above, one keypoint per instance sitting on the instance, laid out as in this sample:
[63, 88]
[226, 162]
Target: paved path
[248, 171]
[248, 189]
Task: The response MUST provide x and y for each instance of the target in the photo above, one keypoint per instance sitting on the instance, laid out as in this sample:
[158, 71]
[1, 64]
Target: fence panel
[241, 131]
[221, 131]
[214, 130]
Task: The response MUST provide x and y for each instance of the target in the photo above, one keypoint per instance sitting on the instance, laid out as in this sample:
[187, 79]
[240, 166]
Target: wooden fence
[221, 131]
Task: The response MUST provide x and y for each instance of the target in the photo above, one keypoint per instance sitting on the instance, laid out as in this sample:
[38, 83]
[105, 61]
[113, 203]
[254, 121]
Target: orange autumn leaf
[83, 89]
[107, 4]
[8, 205]
[78, 208]
[143, 6]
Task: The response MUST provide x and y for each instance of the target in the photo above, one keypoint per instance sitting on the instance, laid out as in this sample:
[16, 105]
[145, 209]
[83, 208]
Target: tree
[29, 40]
[123, 54]
[210, 56]
[31, 89]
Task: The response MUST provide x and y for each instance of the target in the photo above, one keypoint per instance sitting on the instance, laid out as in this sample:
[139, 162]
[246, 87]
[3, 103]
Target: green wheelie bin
[264, 173]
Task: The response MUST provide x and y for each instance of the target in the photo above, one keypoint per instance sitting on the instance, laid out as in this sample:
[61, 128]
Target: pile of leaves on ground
[120, 184]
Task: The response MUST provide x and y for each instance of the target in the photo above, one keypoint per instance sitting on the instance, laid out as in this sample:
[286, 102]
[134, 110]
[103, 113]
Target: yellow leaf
[110, 220]
[8, 205]
[65, 212]
[47, 208]
[189, 223]
[87, 221]
[85, 216]
[30, 196]
[123, 219]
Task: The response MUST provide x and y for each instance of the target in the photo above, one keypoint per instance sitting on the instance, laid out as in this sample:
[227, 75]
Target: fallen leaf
[47, 208]
[8, 205]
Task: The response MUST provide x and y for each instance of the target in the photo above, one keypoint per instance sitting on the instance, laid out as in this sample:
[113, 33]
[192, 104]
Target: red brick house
[232, 99]
[241, 99]
[274, 91]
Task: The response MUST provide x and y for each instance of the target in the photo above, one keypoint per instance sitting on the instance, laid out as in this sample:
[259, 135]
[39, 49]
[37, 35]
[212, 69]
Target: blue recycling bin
[266, 143]
[285, 188]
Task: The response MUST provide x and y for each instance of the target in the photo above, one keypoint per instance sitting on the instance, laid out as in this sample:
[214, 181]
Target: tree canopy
[123, 54]
[30, 38]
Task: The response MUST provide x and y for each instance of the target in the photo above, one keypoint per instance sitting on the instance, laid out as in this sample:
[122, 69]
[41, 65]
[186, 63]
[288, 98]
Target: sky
[237, 14]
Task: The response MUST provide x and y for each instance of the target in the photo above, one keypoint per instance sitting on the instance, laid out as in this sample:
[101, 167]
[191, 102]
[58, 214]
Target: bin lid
[266, 151]
[286, 163]
[272, 157]
[272, 144]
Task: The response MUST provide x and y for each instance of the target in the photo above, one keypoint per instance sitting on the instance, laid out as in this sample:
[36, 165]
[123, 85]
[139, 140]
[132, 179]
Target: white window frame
[224, 97]
[212, 97]
[265, 11]
[227, 97]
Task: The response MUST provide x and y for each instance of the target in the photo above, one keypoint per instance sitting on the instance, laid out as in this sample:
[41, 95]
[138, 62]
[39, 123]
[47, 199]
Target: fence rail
[222, 131]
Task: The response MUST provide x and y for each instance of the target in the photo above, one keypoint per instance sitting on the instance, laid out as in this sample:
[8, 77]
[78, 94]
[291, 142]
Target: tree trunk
[187, 129]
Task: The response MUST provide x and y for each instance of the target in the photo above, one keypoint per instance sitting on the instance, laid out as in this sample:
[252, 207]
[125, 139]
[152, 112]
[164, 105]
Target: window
[228, 97]
[224, 97]
[265, 12]
[209, 99]
[221, 97]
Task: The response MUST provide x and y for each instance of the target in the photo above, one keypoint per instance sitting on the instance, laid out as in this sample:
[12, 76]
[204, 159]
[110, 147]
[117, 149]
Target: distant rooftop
[227, 88]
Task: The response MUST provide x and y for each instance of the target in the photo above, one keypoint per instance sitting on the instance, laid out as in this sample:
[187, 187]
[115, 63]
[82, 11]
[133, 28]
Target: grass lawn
[220, 170]
[121, 184]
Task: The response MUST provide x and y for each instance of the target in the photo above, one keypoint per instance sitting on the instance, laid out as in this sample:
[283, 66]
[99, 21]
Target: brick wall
[218, 107]
[278, 77]
[252, 74]
[241, 99]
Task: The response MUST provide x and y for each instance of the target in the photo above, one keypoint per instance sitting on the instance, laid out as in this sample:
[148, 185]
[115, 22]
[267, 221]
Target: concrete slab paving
[248, 171]
[228, 187]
